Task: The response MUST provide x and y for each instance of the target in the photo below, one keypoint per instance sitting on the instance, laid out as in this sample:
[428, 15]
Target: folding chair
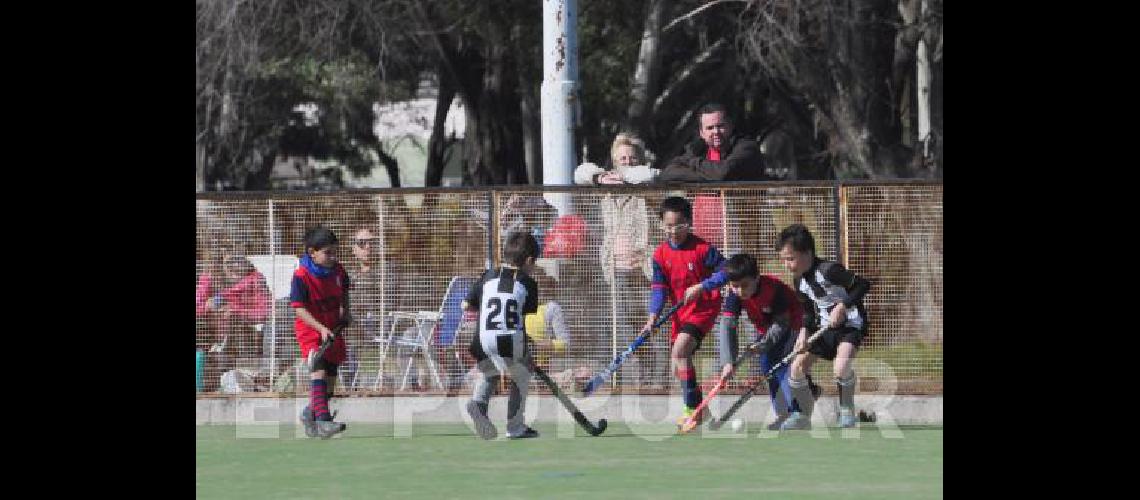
[425, 324]
[448, 329]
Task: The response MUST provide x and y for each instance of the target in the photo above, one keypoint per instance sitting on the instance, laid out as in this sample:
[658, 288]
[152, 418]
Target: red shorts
[697, 313]
[311, 341]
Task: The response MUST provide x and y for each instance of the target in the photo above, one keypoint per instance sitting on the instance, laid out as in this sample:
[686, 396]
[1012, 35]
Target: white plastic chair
[424, 325]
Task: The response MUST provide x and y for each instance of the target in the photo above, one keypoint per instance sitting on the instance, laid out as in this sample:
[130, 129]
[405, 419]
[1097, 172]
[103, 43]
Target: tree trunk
[489, 135]
[923, 92]
[390, 165]
[525, 54]
[261, 167]
[473, 147]
[437, 144]
[461, 67]
[200, 168]
[498, 156]
[902, 82]
[531, 130]
[648, 65]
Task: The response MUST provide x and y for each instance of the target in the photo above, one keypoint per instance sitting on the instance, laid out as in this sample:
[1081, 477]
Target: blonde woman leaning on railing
[624, 253]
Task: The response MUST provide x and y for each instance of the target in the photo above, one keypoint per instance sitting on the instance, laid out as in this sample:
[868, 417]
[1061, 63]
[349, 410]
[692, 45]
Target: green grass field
[447, 461]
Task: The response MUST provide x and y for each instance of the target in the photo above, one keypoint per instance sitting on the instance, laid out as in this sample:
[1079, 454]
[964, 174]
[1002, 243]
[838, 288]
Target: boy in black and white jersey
[837, 294]
[503, 297]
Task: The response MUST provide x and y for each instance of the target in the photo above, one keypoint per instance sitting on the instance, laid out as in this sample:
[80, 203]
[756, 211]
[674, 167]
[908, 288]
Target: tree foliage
[834, 81]
[257, 61]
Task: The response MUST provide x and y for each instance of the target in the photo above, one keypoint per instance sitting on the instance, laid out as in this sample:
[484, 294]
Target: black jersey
[829, 283]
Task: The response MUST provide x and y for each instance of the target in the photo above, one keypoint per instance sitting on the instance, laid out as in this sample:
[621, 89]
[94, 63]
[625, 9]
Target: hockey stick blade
[600, 378]
[590, 428]
[716, 423]
[691, 422]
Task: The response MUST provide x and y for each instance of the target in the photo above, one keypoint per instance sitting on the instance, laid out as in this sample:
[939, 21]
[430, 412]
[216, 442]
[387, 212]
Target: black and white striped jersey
[829, 283]
[505, 296]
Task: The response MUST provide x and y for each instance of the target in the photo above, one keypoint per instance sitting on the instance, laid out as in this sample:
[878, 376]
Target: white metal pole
[559, 95]
[923, 80]
[272, 300]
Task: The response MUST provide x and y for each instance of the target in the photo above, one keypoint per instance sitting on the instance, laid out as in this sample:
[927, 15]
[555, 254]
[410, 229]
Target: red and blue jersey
[675, 268]
[772, 299]
[322, 297]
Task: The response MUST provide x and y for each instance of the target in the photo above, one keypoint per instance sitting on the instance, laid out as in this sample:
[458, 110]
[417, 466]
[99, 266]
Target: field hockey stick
[601, 376]
[592, 429]
[716, 423]
[317, 355]
[691, 422]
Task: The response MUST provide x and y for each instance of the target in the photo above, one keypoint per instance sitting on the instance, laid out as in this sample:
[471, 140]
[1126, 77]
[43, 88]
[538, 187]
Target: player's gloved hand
[838, 315]
[693, 292]
[758, 345]
[727, 371]
[648, 325]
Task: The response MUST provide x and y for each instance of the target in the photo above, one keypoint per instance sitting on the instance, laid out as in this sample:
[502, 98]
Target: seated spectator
[231, 297]
[367, 295]
[550, 334]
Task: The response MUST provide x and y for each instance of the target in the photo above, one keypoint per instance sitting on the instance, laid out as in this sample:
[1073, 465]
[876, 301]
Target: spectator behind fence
[556, 349]
[529, 213]
[367, 295]
[716, 155]
[547, 328]
[629, 164]
[624, 250]
[231, 298]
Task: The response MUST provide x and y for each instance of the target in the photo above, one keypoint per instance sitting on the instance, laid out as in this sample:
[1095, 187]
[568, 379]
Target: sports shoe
[796, 421]
[528, 433]
[483, 425]
[308, 421]
[775, 426]
[689, 411]
[327, 428]
[847, 418]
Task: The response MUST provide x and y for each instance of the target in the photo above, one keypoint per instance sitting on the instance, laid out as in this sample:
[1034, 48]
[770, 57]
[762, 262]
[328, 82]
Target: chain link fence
[411, 254]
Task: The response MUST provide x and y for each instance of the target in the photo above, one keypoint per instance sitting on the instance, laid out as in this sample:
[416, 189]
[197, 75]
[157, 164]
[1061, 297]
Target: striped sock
[689, 388]
[318, 400]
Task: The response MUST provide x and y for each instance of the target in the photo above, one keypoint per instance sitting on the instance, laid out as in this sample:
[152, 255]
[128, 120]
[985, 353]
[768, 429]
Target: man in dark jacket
[717, 155]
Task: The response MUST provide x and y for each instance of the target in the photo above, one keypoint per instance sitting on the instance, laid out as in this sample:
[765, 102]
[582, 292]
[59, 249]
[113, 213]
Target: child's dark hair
[519, 246]
[676, 204]
[318, 238]
[799, 237]
[741, 266]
